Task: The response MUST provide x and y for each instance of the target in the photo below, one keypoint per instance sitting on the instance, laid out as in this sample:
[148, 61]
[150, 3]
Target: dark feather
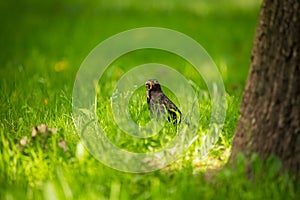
[159, 103]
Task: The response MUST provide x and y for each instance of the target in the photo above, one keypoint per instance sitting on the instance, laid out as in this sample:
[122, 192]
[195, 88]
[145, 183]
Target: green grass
[43, 45]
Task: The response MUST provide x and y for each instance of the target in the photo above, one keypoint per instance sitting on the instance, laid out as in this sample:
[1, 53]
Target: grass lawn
[43, 45]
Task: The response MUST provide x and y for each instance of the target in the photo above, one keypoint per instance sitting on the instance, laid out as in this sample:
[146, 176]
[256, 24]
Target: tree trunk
[270, 110]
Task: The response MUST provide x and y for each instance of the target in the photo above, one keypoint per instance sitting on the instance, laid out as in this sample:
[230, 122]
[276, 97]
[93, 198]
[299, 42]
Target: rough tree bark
[270, 110]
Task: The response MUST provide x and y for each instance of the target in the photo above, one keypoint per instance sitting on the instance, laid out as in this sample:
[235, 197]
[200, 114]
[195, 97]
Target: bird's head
[151, 86]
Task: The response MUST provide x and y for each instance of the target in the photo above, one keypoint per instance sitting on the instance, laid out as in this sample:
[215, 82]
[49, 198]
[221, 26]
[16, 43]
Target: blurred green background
[37, 35]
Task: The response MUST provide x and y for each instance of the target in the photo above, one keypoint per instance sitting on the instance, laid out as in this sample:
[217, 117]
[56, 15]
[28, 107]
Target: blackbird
[160, 104]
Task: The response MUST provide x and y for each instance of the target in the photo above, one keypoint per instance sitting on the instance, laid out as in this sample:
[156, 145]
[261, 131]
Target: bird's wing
[172, 108]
